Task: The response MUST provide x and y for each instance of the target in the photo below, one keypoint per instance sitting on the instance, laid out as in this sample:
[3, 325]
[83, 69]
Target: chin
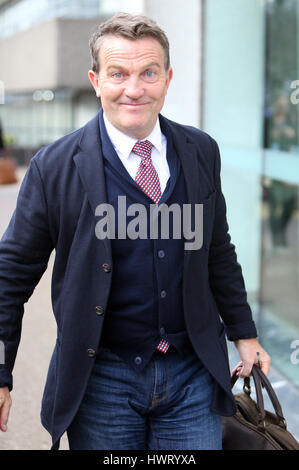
[136, 125]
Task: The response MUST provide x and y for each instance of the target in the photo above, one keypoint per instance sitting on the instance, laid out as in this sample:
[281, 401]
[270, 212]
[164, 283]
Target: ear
[94, 80]
[169, 77]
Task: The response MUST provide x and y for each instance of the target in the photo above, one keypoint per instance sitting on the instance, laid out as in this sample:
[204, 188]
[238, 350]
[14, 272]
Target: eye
[117, 75]
[150, 76]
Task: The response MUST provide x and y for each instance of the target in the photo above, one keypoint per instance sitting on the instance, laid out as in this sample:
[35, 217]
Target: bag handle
[260, 380]
[259, 395]
[272, 395]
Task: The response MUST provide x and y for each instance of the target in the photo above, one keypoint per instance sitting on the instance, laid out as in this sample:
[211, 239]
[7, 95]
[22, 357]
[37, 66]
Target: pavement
[25, 431]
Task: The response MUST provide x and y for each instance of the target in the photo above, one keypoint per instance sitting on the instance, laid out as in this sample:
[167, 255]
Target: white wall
[234, 71]
[109, 7]
[233, 115]
[181, 22]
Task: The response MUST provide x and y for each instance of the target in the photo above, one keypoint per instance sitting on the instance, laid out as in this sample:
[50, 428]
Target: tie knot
[143, 148]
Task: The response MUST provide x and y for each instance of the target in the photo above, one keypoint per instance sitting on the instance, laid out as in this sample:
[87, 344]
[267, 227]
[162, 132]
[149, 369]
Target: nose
[134, 88]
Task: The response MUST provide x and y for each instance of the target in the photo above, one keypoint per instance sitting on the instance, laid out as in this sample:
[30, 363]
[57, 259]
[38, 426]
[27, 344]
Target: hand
[5, 404]
[247, 349]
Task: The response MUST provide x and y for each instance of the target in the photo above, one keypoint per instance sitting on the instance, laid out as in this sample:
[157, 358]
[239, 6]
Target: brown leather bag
[252, 427]
[7, 170]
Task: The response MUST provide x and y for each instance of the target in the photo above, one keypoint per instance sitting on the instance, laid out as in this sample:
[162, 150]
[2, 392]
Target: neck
[138, 134]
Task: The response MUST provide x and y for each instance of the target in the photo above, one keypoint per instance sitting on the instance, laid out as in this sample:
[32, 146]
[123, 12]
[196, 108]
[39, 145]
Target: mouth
[134, 105]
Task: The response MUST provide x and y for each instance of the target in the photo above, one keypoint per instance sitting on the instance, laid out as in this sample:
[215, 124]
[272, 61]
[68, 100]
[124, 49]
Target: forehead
[119, 49]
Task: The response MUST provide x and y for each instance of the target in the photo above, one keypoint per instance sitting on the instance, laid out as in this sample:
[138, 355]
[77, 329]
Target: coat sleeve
[225, 273]
[25, 249]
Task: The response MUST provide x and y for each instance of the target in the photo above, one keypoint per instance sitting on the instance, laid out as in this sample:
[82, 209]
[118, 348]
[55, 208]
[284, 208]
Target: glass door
[279, 289]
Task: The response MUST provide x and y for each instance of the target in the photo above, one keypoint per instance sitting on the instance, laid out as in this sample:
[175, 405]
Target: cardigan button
[106, 268]
[138, 360]
[163, 294]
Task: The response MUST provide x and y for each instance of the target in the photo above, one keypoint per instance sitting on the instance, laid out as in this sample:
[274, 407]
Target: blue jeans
[166, 406]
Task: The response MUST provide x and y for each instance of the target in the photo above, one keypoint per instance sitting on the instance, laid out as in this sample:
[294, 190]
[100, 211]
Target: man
[140, 360]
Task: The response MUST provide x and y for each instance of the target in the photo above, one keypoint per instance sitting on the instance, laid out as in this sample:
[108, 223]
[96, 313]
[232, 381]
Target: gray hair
[130, 27]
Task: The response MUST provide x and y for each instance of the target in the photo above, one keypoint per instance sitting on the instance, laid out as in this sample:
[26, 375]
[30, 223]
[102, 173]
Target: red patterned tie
[147, 178]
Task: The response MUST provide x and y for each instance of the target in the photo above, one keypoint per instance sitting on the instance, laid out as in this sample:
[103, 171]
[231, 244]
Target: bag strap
[259, 398]
[272, 395]
[260, 380]
[259, 395]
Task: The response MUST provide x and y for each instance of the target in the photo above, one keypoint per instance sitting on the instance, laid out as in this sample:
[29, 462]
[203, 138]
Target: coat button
[99, 310]
[106, 268]
[91, 352]
[138, 360]
[163, 294]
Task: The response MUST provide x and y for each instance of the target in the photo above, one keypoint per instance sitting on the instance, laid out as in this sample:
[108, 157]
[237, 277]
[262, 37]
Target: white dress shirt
[123, 145]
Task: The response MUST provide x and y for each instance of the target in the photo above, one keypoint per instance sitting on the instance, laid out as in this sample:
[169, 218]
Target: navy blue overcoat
[55, 210]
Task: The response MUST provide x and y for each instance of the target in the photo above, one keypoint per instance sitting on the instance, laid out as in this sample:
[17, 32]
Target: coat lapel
[89, 163]
[187, 153]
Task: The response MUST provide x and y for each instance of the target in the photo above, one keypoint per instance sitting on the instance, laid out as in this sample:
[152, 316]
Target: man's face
[132, 83]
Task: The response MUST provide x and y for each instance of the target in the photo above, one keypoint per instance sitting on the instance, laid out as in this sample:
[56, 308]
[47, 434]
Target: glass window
[279, 308]
[281, 69]
[250, 63]
[35, 119]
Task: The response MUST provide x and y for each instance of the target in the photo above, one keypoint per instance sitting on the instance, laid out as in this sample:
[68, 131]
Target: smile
[132, 105]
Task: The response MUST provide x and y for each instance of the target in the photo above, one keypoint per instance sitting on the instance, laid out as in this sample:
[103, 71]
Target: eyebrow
[121, 67]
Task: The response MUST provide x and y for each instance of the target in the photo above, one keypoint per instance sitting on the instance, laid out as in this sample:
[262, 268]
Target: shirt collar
[124, 143]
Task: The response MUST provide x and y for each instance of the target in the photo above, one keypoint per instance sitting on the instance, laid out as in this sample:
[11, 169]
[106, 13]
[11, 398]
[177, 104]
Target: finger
[237, 367]
[5, 404]
[265, 367]
[246, 370]
[4, 415]
[263, 361]
[258, 359]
